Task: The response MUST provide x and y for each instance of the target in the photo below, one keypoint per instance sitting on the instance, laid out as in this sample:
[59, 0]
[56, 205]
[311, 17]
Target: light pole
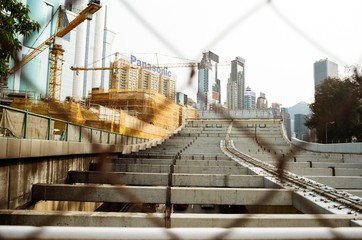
[327, 130]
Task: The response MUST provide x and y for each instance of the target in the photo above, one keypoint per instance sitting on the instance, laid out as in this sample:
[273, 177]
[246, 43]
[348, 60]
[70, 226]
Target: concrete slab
[143, 168]
[260, 220]
[157, 179]
[13, 148]
[131, 178]
[206, 162]
[116, 219]
[98, 193]
[339, 182]
[47, 148]
[210, 169]
[142, 161]
[25, 148]
[3, 147]
[89, 219]
[217, 180]
[179, 195]
[354, 192]
[231, 196]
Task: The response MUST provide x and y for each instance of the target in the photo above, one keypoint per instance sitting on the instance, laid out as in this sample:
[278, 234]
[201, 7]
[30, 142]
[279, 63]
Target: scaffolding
[147, 105]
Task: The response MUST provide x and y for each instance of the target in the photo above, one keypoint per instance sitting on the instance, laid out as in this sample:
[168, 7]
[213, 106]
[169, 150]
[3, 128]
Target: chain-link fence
[261, 142]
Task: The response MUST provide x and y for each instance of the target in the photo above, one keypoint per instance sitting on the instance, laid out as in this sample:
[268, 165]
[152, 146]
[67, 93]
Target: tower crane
[167, 65]
[56, 54]
[116, 66]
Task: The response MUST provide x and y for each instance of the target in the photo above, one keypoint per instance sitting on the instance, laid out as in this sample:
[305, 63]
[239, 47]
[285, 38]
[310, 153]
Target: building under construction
[143, 92]
[122, 87]
[147, 105]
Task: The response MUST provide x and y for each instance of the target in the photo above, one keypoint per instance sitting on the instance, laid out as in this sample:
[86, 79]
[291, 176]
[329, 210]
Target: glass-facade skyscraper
[323, 69]
[207, 81]
[249, 99]
[236, 84]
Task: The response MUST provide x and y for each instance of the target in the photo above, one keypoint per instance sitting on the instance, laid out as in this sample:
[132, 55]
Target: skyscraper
[207, 81]
[235, 85]
[262, 102]
[249, 99]
[301, 131]
[323, 69]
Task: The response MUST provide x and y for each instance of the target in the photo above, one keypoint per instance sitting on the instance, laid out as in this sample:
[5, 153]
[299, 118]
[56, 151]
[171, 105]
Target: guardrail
[22, 124]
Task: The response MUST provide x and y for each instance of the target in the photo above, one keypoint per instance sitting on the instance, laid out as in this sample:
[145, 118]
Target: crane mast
[56, 54]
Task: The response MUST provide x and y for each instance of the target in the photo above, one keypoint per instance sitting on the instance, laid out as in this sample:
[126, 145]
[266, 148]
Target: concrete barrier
[329, 148]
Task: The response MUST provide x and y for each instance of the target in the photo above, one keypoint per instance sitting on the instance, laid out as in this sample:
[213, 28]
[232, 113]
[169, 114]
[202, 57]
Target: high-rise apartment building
[126, 75]
[232, 95]
[207, 81]
[249, 99]
[262, 102]
[167, 87]
[324, 69]
[181, 99]
[236, 84]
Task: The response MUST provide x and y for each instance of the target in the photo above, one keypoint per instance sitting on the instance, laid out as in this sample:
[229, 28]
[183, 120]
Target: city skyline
[278, 40]
[268, 79]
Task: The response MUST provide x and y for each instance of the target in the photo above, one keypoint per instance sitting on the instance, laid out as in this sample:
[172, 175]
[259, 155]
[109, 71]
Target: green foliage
[337, 109]
[14, 21]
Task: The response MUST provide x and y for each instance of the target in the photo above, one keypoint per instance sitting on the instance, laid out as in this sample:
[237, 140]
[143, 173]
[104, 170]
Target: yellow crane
[56, 54]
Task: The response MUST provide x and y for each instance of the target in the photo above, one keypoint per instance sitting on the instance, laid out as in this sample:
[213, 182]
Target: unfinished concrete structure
[223, 175]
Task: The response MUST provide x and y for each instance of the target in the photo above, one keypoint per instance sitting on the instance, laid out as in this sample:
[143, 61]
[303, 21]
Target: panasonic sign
[153, 68]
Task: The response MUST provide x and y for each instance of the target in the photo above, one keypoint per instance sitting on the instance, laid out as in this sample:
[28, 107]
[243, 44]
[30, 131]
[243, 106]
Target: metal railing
[69, 131]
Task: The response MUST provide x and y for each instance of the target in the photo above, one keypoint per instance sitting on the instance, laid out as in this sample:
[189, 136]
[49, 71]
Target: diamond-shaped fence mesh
[153, 184]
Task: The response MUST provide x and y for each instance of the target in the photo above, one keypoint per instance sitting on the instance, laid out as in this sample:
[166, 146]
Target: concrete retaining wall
[18, 175]
[28, 148]
[24, 162]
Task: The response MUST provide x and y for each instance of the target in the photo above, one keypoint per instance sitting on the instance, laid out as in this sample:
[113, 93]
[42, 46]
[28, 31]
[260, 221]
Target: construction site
[137, 101]
[93, 148]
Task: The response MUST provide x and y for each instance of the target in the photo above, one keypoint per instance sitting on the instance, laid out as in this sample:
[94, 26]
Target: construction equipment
[57, 50]
[167, 65]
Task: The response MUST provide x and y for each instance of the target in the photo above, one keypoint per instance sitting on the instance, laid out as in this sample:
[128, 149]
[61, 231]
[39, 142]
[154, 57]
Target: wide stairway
[212, 173]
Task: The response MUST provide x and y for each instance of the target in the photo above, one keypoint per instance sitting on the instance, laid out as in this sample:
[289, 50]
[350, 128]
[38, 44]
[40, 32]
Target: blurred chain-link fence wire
[105, 159]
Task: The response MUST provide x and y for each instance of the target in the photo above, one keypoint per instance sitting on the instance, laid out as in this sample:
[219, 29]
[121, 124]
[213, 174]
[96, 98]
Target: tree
[336, 110]
[14, 21]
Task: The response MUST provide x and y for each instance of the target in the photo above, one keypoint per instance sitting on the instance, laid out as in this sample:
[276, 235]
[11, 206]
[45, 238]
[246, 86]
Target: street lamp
[327, 130]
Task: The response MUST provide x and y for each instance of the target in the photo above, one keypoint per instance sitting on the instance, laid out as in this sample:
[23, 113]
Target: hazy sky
[279, 40]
